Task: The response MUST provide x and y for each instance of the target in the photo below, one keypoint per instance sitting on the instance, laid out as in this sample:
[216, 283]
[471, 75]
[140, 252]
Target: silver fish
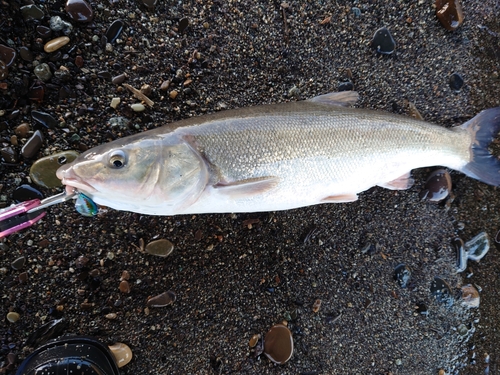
[276, 157]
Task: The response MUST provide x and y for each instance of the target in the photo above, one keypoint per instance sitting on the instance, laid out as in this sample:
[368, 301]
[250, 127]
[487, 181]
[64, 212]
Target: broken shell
[478, 246]
[162, 300]
[12, 317]
[278, 344]
[122, 353]
[470, 296]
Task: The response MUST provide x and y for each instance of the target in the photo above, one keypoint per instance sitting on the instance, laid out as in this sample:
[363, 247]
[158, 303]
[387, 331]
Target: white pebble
[115, 102]
[138, 107]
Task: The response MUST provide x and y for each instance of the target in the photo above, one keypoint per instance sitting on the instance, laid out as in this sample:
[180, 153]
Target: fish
[277, 157]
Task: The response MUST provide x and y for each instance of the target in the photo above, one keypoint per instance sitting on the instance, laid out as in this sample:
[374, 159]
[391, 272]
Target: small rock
[278, 344]
[18, 263]
[26, 54]
[7, 54]
[114, 102]
[137, 107]
[122, 353]
[161, 300]
[9, 155]
[149, 3]
[44, 118]
[13, 317]
[119, 79]
[26, 192]
[183, 24]
[470, 296]
[161, 248]
[55, 44]
[31, 12]
[110, 316]
[125, 275]
[43, 171]
[31, 147]
[402, 275]
[449, 13]
[114, 31]
[22, 130]
[58, 24]
[79, 10]
[44, 31]
[173, 94]
[254, 340]
[383, 41]
[316, 306]
[456, 82]
[437, 187]
[345, 86]
[42, 71]
[124, 286]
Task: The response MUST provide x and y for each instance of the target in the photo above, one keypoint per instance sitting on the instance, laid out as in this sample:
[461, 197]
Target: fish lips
[71, 180]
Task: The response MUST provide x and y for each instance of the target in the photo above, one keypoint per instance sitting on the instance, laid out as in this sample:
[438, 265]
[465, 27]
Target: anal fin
[340, 198]
[247, 188]
[401, 183]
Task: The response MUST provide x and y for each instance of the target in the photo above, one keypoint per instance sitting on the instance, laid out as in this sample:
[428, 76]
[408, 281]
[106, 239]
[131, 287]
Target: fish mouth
[68, 178]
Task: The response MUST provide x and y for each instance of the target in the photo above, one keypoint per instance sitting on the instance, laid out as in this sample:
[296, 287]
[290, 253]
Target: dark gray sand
[233, 280]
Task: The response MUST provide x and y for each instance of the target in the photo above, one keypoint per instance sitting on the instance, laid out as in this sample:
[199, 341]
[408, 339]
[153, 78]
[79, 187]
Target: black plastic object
[70, 355]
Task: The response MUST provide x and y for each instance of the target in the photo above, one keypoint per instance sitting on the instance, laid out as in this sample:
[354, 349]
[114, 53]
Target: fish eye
[117, 159]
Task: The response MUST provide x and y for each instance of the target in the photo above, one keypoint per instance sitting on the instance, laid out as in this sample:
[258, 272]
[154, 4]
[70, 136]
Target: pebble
[345, 86]
[22, 130]
[137, 107]
[7, 54]
[149, 3]
[114, 31]
[161, 248]
[18, 263]
[43, 171]
[9, 155]
[13, 317]
[124, 286]
[470, 296]
[55, 44]
[79, 10]
[26, 54]
[125, 275]
[254, 340]
[85, 206]
[442, 291]
[402, 275]
[278, 344]
[119, 79]
[44, 31]
[316, 306]
[477, 247]
[31, 12]
[58, 24]
[383, 41]
[456, 82]
[449, 13]
[4, 71]
[114, 102]
[161, 300]
[33, 145]
[81, 261]
[23, 277]
[42, 71]
[183, 24]
[122, 353]
[173, 94]
[44, 118]
[79, 61]
[25, 192]
[437, 187]
[110, 316]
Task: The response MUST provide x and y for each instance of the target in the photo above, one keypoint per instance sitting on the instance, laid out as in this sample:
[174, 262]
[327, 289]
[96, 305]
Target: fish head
[140, 174]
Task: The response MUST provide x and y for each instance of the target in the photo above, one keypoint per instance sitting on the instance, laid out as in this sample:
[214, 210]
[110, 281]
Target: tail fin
[483, 129]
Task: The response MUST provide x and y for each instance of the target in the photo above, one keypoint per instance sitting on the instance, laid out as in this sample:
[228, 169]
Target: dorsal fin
[342, 98]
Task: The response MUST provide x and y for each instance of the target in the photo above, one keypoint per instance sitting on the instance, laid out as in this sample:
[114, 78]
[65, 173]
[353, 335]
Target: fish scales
[276, 157]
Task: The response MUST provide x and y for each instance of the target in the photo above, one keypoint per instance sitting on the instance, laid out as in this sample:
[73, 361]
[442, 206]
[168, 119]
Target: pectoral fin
[402, 183]
[247, 188]
[342, 98]
[341, 198]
